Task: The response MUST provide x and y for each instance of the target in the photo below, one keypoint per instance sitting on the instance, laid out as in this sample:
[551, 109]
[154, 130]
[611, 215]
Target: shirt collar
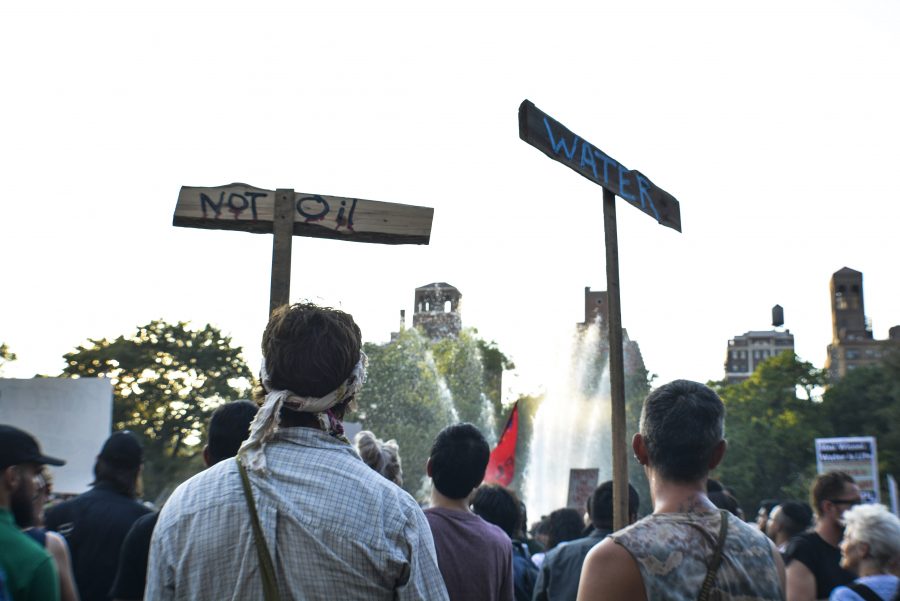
[312, 437]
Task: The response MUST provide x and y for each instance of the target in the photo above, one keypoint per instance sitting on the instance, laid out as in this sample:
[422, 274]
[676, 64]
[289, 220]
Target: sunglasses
[848, 502]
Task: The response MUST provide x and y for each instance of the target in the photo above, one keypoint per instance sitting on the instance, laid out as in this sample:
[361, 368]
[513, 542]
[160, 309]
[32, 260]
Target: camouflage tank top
[673, 550]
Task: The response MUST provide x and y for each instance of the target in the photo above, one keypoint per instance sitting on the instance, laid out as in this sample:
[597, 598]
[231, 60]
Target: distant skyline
[773, 124]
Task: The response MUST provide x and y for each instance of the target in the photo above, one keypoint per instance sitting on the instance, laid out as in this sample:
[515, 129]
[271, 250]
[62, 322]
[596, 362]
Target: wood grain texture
[246, 208]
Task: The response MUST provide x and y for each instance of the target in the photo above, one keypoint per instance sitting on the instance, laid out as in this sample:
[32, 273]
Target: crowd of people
[290, 508]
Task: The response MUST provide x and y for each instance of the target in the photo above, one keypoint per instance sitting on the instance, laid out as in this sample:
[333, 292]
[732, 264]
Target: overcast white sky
[775, 124]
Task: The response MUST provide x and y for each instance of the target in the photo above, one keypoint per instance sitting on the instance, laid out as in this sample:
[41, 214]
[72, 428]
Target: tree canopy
[770, 430]
[866, 402]
[6, 355]
[166, 379]
[416, 387]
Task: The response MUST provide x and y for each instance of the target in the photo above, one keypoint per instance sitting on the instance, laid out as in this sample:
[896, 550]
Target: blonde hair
[878, 528]
[383, 457]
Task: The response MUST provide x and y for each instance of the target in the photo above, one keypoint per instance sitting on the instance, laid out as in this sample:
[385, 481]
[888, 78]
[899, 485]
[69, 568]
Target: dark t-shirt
[475, 557]
[95, 524]
[822, 559]
[561, 569]
[131, 577]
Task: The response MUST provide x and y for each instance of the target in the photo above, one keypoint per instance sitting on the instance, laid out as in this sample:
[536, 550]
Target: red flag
[502, 464]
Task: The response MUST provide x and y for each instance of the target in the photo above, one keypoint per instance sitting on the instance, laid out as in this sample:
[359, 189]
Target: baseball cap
[18, 446]
[123, 450]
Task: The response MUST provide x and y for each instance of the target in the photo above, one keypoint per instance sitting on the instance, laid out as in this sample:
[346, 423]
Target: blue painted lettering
[561, 143]
[587, 158]
[607, 161]
[623, 182]
[644, 188]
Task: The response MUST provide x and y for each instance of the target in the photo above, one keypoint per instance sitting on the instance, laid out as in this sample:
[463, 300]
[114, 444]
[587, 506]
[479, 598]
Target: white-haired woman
[871, 548]
[383, 457]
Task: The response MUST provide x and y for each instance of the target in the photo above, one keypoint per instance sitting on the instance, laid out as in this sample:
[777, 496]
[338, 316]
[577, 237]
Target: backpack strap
[270, 584]
[716, 559]
[863, 591]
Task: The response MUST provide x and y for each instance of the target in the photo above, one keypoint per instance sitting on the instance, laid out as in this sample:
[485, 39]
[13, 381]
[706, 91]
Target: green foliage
[416, 387]
[494, 363]
[6, 355]
[403, 400]
[166, 381]
[771, 430]
[637, 387]
[459, 361]
[866, 402]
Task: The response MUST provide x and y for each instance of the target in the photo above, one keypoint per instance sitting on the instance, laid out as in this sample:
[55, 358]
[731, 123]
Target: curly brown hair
[310, 350]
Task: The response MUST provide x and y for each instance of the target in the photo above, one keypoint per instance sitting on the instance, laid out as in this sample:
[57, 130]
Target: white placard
[858, 456]
[70, 418]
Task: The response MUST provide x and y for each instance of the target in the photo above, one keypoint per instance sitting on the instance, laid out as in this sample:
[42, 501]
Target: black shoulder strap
[267, 569]
[716, 559]
[863, 591]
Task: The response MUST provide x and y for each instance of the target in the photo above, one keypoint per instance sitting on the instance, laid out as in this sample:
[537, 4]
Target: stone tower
[436, 310]
[848, 317]
[852, 342]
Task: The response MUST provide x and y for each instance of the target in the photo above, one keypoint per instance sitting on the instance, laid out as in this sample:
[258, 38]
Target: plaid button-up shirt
[335, 529]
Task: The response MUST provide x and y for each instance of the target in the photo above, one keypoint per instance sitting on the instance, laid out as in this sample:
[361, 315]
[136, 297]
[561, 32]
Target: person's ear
[12, 477]
[717, 454]
[206, 458]
[428, 468]
[640, 448]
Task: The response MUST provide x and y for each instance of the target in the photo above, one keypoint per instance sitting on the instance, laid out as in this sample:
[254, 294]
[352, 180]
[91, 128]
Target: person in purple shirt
[475, 557]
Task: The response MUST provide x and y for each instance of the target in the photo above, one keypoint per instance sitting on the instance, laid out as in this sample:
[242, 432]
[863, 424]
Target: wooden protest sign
[553, 139]
[285, 213]
[249, 209]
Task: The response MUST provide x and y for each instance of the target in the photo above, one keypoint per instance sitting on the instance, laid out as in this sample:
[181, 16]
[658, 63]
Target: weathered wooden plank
[280, 289]
[249, 209]
[553, 139]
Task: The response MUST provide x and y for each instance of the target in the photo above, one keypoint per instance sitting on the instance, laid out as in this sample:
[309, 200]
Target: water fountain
[572, 426]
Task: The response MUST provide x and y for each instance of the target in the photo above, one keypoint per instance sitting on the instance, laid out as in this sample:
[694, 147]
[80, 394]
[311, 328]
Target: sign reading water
[550, 137]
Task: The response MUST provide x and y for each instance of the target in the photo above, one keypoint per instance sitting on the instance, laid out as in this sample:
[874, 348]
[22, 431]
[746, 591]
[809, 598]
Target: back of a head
[119, 463]
[681, 424]
[827, 487]
[723, 500]
[499, 506]
[383, 457]
[229, 426]
[564, 525]
[310, 350]
[459, 458]
[601, 505]
[795, 517]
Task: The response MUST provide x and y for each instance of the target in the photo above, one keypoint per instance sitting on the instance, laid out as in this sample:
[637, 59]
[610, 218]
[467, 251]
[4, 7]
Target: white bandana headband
[265, 424]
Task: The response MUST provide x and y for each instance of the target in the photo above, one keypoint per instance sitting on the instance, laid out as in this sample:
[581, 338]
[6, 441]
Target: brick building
[852, 342]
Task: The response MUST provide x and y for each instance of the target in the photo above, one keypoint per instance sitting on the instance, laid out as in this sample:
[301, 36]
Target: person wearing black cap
[26, 570]
[95, 523]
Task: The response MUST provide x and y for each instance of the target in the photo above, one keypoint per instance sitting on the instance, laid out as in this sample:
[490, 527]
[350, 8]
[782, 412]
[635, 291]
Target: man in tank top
[668, 555]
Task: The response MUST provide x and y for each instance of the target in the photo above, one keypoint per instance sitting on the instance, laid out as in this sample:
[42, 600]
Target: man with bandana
[297, 515]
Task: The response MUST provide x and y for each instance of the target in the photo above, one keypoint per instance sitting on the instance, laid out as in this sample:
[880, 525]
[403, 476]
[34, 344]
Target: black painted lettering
[313, 208]
[216, 207]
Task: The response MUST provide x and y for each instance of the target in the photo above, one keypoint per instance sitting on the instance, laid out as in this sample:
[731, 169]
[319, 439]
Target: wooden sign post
[285, 213]
[553, 139]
